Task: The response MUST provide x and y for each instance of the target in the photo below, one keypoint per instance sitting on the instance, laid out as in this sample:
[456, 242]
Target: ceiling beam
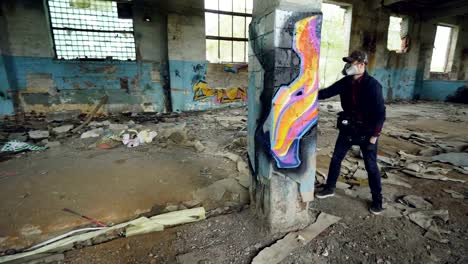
[390, 2]
[375, 4]
[447, 12]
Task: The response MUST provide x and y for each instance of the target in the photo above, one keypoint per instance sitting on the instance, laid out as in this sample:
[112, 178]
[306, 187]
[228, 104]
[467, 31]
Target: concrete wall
[196, 84]
[43, 83]
[439, 86]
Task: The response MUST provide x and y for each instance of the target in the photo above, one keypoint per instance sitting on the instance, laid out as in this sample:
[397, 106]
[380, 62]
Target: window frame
[449, 52]
[231, 39]
[54, 46]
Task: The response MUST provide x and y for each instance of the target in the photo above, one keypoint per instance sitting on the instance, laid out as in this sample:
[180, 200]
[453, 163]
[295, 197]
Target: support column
[284, 56]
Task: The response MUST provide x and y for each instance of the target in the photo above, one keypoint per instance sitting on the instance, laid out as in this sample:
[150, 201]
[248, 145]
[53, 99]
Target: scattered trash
[16, 146]
[141, 225]
[102, 102]
[94, 221]
[159, 222]
[82, 230]
[8, 173]
[283, 247]
[132, 138]
[146, 136]
[146, 226]
[38, 134]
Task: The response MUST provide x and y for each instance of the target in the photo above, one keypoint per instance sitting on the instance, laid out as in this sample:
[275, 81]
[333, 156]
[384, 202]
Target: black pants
[369, 152]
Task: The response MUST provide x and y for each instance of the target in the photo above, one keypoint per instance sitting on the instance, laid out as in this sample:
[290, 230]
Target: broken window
[92, 29]
[226, 28]
[336, 28]
[442, 54]
[398, 38]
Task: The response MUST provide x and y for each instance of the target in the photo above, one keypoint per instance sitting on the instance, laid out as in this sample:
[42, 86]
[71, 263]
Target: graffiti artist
[359, 123]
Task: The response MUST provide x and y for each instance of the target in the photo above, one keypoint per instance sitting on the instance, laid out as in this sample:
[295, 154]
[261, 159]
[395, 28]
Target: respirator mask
[350, 69]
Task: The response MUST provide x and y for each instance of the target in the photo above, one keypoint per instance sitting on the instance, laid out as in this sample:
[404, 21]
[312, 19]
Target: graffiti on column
[295, 107]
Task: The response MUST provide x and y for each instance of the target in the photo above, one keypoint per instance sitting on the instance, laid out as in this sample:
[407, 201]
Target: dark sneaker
[326, 192]
[376, 208]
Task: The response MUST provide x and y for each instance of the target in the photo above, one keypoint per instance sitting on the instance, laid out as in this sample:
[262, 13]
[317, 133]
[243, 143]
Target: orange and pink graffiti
[295, 106]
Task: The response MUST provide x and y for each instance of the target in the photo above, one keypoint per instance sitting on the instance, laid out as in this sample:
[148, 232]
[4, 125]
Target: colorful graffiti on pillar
[201, 90]
[295, 107]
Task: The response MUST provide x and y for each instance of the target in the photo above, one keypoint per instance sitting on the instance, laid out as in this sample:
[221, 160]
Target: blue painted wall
[6, 103]
[85, 82]
[439, 90]
[183, 75]
[396, 83]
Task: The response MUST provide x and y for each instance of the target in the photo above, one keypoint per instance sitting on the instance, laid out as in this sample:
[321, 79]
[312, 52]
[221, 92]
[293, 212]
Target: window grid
[230, 40]
[90, 30]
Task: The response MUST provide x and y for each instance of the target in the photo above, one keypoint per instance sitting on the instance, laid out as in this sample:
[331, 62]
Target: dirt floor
[121, 183]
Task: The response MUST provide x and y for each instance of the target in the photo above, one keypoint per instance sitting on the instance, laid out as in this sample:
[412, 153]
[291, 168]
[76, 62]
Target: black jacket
[369, 100]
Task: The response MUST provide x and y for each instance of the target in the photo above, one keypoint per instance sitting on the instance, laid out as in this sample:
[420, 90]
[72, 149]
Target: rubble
[118, 127]
[283, 247]
[62, 116]
[216, 191]
[92, 133]
[394, 179]
[38, 134]
[454, 194]
[457, 159]
[17, 137]
[425, 219]
[99, 124]
[62, 129]
[416, 202]
[53, 144]
[413, 167]
[431, 176]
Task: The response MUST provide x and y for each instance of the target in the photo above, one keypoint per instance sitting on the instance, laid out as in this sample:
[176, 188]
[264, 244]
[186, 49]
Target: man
[360, 124]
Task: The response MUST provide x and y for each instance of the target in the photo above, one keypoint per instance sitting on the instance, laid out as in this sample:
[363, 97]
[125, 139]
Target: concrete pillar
[284, 56]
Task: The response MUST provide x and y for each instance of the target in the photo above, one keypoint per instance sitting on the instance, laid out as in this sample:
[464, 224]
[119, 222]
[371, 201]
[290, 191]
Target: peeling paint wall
[6, 101]
[41, 83]
[440, 90]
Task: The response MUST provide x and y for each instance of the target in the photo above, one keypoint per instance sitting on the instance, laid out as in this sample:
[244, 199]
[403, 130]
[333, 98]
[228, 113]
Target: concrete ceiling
[428, 9]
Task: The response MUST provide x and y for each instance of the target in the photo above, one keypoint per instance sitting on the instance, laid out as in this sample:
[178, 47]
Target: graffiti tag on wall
[295, 107]
[201, 90]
